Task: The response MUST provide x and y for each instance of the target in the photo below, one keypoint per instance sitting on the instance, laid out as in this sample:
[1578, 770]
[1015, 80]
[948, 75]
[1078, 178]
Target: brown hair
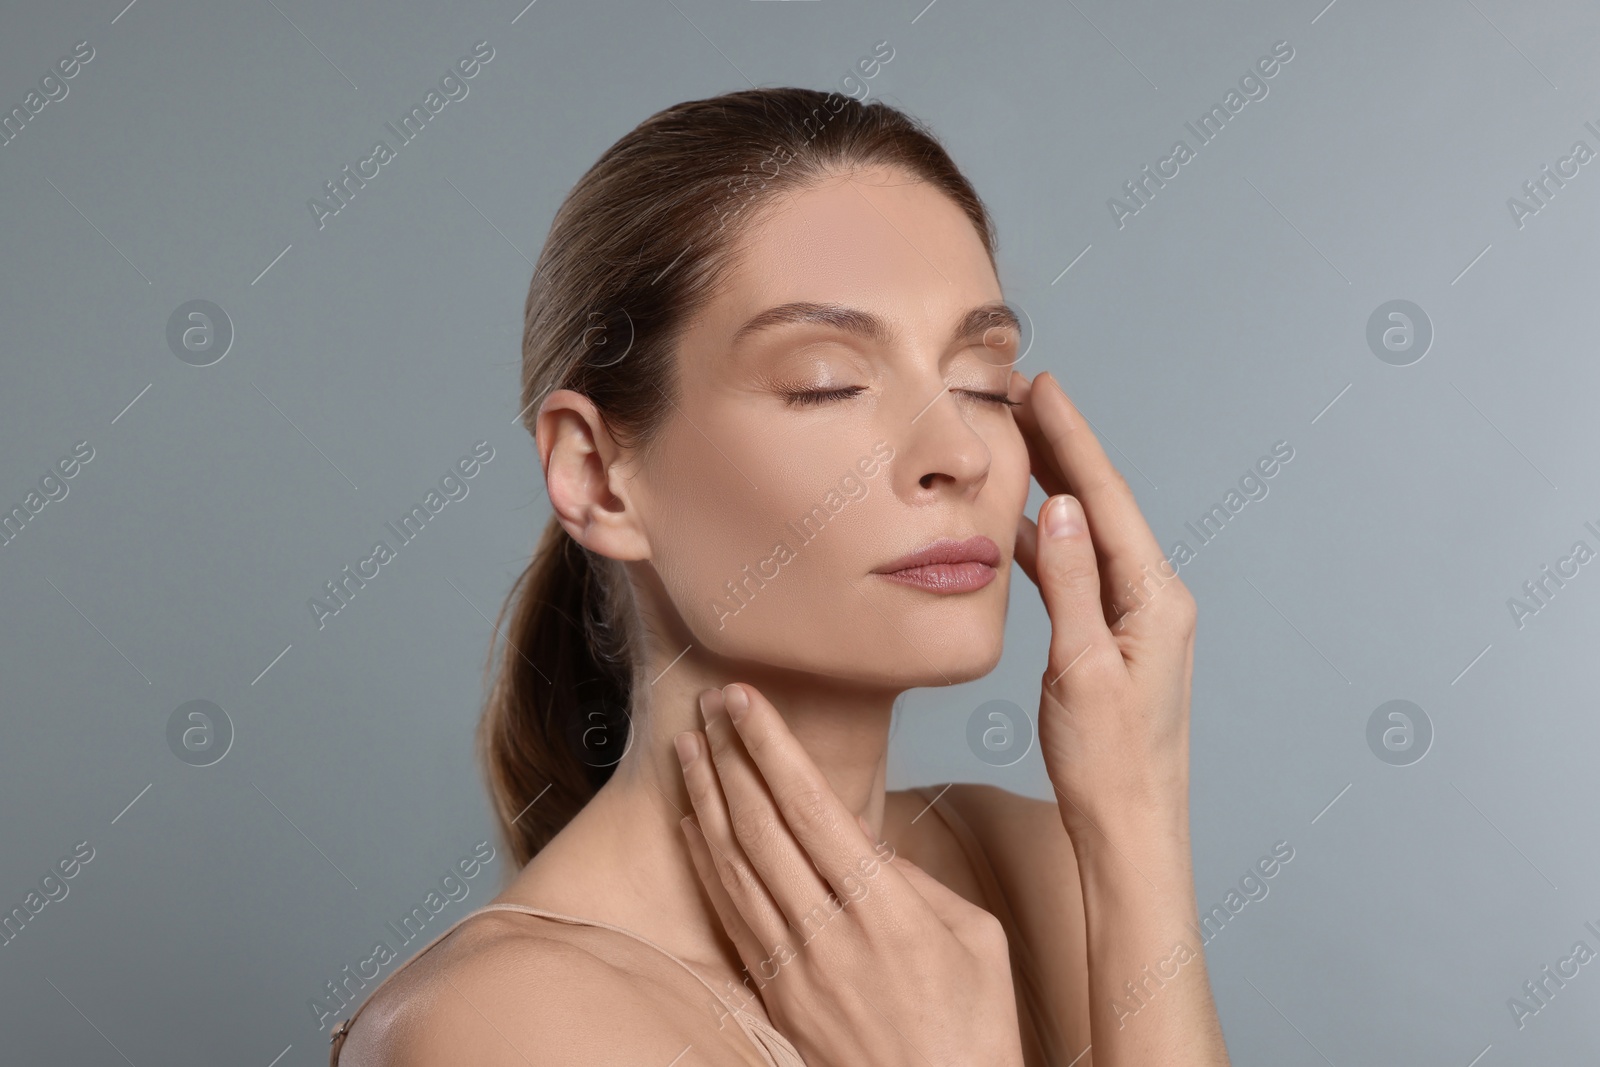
[639, 246]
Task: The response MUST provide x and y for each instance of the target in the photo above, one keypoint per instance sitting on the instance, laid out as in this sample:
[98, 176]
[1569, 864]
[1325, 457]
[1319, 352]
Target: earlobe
[579, 458]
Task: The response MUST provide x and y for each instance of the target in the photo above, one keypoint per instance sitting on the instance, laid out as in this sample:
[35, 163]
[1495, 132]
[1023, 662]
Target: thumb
[1069, 582]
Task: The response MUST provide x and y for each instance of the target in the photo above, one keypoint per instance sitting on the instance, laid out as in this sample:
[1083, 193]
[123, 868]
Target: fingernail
[688, 747]
[708, 704]
[1065, 517]
[735, 700]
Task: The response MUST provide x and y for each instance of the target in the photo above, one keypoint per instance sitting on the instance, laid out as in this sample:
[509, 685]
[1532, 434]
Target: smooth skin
[1113, 726]
[785, 797]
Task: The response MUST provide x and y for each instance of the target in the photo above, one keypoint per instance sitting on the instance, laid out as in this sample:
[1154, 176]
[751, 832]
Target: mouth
[946, 566]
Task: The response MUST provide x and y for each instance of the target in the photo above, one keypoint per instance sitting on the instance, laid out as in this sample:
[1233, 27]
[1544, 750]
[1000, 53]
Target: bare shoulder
[980, 800]
[506, 990]
[1026, 845]
[1022, 839]
[1014, 829]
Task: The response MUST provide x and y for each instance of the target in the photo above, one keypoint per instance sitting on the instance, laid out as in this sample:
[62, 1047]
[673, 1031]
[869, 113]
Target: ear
[588, 492]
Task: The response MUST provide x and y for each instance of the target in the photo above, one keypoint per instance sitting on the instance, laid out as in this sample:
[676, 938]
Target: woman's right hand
[858, 957]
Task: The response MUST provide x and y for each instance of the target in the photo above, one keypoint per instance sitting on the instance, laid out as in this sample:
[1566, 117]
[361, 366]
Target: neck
[623, 859]
[844, 728]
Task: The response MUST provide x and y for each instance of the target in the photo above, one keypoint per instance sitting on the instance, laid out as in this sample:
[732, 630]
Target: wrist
[1157, 832]
[1143, 868]
[1130, 796]
[1141, 809]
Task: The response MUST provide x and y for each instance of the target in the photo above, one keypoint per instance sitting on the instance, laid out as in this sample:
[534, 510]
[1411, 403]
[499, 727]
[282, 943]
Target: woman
[771, 382]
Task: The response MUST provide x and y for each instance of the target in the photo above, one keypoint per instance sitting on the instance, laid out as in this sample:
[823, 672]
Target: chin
[955, 655]
[916, 673]
[891, 643]
[877, 657]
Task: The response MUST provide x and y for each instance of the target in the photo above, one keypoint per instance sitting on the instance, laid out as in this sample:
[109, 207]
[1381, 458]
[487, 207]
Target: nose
[937, 452]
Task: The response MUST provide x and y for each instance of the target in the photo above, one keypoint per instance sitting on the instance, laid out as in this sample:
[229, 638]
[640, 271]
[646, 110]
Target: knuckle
[892, 935]
[1185, 608]
[754, 830]
[808, 812]
[1078, 660]
[1111, 480]
[1176, 605]
[755, 738]
[720, 745]
[1070, 570]
[813, 922]
[741, 880]
[985, 934]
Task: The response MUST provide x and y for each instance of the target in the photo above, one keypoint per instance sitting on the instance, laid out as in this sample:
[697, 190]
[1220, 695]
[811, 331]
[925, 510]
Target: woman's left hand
[1114, 704]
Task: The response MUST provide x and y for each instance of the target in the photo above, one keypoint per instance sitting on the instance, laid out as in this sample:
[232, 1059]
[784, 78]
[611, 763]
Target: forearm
[1149, 994]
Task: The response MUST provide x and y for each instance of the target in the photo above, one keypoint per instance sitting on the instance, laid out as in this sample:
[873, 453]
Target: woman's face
[807, 451]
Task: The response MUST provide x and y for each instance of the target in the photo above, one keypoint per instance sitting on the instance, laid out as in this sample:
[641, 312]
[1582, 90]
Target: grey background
[1229, 314]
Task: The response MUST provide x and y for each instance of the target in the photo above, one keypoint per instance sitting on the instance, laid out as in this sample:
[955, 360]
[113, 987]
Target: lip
[946, 565]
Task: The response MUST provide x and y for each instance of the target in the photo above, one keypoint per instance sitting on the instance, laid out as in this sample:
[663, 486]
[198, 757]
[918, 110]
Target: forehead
[878, 240]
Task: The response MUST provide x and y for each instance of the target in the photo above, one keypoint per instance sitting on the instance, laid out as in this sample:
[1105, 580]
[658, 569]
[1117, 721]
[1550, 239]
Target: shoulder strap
[759, 1034]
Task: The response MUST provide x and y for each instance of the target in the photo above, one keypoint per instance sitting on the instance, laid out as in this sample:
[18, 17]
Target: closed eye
[813, 397]
[994, 398]
[809, 398]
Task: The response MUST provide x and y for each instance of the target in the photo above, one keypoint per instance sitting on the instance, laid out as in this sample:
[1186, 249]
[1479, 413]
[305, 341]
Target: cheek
[1010, 474]
[751, 537]
[701, 514]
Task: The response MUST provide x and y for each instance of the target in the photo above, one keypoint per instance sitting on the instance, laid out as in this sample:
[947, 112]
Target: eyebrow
[867, 325]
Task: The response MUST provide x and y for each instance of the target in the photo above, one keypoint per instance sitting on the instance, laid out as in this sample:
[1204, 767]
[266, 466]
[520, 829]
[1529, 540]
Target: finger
[1026, 553]
[751, 951]
[758, 824]
[744, 887]
[1018, 387]
[948, 906]
[1041, 462]
[1047, 472]
[1069, 582]
[690, 746]
[1118, 528]
[1027, 550]
[943, 900]
[1043, 465]
[827, 831]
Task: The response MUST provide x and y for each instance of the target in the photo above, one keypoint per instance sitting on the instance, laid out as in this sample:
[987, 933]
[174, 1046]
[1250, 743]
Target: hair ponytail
[639, 246]
[555, 725]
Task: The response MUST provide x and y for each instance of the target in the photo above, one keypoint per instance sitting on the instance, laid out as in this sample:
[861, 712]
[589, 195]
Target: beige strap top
[774, 1048]
[1042, 1042]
